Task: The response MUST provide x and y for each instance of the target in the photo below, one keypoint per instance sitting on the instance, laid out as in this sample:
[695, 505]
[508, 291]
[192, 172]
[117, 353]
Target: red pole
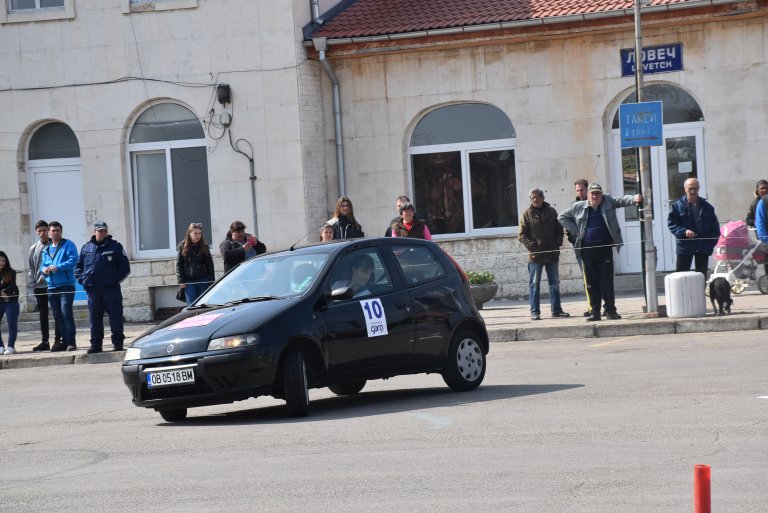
[702, 497]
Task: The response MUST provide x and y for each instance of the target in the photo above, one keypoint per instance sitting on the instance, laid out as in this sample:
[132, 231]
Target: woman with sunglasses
[194, 264]
[345, 226]
[9, 303]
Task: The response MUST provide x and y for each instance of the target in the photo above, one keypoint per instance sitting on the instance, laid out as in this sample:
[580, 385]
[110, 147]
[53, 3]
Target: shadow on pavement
[368, 404]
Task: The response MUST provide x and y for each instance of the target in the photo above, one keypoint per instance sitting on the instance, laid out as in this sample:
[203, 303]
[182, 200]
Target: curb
[27, 361]
[497, 333]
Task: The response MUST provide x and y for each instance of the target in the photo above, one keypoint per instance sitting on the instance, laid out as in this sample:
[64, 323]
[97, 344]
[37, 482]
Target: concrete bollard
[684, 292]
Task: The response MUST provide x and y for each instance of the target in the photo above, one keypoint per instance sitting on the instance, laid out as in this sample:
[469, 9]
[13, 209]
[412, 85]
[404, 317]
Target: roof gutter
[540, 22]
[320, 44]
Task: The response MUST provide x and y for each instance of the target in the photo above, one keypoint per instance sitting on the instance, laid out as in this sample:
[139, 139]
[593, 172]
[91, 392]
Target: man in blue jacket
[58, 265]
[693, 222]
[103, 264]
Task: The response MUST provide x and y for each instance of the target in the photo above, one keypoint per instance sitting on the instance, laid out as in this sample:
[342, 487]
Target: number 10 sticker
[375, 318]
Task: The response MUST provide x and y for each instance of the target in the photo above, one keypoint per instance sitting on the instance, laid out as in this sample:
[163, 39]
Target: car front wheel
[173, 414]
[351, 388]
[465, 367]
[295, 385]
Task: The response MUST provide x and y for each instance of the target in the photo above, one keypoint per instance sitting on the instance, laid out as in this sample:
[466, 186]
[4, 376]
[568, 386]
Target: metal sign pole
[651, 296]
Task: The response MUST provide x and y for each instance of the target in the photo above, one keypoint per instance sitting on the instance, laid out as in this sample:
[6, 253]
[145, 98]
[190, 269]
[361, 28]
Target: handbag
[181, 296]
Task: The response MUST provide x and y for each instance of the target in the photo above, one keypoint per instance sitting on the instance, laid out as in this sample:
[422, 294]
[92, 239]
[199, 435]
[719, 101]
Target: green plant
[478, 278]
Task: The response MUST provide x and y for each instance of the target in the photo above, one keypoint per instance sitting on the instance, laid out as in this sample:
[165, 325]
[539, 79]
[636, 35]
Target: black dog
[720, 291]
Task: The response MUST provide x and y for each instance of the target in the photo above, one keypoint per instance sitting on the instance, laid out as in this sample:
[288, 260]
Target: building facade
[155, 114]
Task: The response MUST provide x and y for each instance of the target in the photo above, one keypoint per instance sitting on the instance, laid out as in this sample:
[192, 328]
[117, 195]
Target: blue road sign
[656, 59]
[641, 124]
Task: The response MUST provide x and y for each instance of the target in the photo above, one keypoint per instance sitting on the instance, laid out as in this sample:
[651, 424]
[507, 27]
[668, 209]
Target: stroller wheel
[762, 284]
[738, 286]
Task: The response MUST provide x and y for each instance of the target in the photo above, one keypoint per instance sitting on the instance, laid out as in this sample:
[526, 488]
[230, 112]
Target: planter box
[483, 293]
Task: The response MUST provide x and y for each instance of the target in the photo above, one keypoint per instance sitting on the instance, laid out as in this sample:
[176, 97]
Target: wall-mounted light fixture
[223, 94]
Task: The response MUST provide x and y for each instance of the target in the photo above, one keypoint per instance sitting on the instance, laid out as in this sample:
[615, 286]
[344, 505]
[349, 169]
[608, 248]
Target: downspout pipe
[316, 12]
[321, 45]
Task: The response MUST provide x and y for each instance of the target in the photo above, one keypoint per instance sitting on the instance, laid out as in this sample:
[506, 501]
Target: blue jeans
[60, 299]
[12, 309]
[193, 291]
[534, 283]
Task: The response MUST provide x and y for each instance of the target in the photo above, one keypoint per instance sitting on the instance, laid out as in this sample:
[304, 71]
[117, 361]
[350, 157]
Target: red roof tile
[378, 17]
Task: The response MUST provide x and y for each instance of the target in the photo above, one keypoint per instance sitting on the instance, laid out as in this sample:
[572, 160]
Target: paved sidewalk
[507, 321]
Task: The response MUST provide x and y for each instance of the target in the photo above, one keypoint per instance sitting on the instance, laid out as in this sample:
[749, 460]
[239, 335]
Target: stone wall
[507, 259]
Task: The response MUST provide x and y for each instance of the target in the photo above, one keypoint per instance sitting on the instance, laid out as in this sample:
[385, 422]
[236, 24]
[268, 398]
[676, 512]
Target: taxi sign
[641, 124]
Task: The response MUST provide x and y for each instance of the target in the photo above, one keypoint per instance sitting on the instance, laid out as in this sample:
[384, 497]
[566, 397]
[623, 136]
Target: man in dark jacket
[542, 236]
[101, 267]
[693, 222]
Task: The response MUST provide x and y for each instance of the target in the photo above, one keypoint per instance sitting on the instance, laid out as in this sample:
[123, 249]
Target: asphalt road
[588, 425]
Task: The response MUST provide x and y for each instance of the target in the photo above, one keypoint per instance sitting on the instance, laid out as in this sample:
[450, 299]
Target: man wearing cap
[597, 232]
[101, 267]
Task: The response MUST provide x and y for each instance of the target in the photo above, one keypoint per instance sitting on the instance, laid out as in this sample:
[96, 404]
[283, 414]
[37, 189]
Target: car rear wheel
[465, 368]
[295, 385]
[351, 388]
[173, 414]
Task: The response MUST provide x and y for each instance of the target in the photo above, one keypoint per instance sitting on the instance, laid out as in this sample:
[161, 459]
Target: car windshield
[269, 277]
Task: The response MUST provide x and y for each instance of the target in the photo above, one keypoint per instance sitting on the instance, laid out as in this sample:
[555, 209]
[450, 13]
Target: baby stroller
[738, 254]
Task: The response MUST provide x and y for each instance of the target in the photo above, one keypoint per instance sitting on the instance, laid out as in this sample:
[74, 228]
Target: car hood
[191, 330]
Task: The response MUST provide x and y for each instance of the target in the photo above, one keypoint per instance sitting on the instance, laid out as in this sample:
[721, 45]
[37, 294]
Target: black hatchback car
[330, 315]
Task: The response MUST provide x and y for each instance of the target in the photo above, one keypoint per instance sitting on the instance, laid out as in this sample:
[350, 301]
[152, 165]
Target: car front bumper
[220, 377]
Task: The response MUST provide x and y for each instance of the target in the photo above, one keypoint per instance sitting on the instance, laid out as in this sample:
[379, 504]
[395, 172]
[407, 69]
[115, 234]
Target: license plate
[172, 377]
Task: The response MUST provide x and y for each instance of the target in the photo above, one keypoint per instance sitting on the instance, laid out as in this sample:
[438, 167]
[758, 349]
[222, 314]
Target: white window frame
[135, 149]
[37, 14]
[137, 6]
[465, 150]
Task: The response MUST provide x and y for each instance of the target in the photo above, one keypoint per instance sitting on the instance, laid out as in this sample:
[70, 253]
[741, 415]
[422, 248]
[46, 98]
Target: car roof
[335, 246]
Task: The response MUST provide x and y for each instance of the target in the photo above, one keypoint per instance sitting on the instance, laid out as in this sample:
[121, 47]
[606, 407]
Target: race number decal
[375, 318]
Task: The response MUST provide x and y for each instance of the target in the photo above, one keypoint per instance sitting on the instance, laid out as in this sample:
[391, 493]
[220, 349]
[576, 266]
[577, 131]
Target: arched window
[54, 141]
[169, 178]
[463, 170]
[678, 106]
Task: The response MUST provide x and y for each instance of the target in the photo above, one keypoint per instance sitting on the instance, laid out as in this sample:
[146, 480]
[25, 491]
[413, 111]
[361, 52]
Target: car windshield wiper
[201, 305]
[252, 299]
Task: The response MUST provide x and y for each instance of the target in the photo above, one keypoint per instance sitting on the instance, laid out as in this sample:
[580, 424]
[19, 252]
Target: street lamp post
[644, 154]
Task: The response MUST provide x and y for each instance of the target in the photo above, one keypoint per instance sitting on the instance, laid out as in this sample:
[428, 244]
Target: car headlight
[249, 339]
[132, 353]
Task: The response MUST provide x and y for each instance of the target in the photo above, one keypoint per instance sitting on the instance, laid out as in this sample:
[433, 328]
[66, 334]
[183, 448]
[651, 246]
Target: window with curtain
[463, 170]
[169, 179]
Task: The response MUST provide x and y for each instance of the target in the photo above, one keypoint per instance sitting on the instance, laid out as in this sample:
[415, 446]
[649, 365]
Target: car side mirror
[342, 293]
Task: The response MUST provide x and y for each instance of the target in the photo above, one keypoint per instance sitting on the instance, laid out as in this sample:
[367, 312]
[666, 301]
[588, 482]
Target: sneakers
[593, 317]
[57, 347]
[73, 347]
[93, 349]
[614, 316]
[561, 314]
[42, 346]
[535, 317]
[118, 347]
[9, 351]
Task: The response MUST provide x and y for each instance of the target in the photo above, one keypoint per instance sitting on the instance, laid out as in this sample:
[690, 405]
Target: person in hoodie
[58, 266]
[101, 267]
[345, 226]
[542, 235]
[239, 246]
[36, 283]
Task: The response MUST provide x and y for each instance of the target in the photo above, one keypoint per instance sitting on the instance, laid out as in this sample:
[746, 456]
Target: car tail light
[464, 276]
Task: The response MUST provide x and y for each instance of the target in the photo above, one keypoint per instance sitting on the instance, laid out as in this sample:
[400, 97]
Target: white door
[56, 193]
[681, 157]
